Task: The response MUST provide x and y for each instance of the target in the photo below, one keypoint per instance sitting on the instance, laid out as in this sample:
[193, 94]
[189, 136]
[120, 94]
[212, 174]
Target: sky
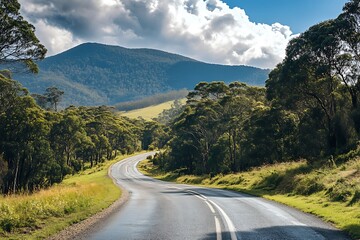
[232, 32]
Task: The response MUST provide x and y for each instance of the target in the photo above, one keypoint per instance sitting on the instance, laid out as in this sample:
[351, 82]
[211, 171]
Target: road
[161, 210]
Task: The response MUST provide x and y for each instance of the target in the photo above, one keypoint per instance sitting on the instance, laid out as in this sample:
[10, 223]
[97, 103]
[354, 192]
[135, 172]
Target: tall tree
[18, 42]
[306, 79]
[10, 90]
[347, 27]
[53, 96]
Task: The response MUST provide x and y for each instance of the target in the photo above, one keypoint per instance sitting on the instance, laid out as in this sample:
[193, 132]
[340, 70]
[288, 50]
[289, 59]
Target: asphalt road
[161, 210]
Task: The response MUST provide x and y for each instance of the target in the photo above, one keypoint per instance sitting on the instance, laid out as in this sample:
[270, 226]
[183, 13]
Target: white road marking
[210, 206]
[209, 203]
[218, 229]
[228, 221]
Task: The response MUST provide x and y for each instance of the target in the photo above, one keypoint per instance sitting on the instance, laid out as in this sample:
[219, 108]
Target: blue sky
[298, 14]
[232, 32]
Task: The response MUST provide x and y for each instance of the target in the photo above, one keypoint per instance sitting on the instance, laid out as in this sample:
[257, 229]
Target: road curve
[161, 210]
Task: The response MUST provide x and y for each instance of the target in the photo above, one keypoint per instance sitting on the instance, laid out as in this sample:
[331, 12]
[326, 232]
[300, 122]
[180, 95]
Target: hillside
[151, 112]
[96, 74]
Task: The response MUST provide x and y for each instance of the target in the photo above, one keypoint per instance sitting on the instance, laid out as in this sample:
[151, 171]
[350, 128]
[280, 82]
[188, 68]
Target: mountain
[97, 74]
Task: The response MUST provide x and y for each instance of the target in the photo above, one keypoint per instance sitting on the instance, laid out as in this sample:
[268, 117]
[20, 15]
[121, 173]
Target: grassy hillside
[149, 113]
[152, 100]
[44, 213]
[324, 189]
[97, 74]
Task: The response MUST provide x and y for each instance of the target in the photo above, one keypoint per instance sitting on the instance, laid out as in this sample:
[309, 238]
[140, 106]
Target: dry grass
[331, 192]
[149, 113]
[39, 215]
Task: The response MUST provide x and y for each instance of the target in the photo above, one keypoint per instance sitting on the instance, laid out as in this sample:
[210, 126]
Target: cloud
[207, 30]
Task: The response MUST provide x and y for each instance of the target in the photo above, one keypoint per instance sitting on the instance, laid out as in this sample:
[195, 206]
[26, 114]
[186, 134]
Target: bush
[308, 185]
[9, 223]
[355, 198]
[339, 191]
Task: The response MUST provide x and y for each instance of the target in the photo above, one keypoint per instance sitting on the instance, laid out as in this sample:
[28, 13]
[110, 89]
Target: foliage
[168, 115]
[94, 74]
[41, 214]
[318, 81]
[39, 147]
[18, 42]
[330, 192]
[223, 127]
[50, 99]
[309, 108]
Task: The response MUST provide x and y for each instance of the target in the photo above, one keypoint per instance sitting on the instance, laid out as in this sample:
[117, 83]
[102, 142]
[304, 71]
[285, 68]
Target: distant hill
[97, 74]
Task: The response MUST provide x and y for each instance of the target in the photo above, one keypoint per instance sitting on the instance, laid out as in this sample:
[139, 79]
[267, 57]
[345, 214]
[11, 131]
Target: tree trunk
[16, 172]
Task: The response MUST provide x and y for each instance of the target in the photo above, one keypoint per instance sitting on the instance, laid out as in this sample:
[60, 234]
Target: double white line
[210, 204]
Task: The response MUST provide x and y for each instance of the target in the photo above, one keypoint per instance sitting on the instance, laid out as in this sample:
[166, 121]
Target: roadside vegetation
[44, 213]
[308, 110]
[295, 141]
[328, 191]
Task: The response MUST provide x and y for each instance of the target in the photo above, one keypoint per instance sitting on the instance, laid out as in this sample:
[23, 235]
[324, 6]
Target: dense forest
[39, 147]
[38, 144]
[94, 74]
[309, 108]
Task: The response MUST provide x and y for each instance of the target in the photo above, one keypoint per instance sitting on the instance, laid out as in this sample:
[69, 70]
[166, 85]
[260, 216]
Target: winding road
[161, 210]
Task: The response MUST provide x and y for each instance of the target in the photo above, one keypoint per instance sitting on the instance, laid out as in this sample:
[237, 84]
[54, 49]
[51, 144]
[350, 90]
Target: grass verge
[330, 192]
[148, 113]
[42, 214]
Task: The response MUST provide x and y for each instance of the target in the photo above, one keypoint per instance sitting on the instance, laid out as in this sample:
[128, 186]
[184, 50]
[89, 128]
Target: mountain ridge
[99, 74]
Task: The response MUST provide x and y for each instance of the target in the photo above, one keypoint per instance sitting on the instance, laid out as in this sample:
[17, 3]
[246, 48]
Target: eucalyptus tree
[18, 43]
[10, 91]
[53, 96]
[24, 144]
[306, 79]
[347, 27]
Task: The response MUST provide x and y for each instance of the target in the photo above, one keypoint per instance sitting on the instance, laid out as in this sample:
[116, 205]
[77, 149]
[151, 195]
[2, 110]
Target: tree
[10, 91]
[3, 171]
[24, 143]
[53, 96]
[18, 42]
[66, 136]
[347, 27]
[168, 115]
[307, 79]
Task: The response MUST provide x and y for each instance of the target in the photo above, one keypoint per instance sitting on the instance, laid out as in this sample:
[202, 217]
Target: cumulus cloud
[207, 30]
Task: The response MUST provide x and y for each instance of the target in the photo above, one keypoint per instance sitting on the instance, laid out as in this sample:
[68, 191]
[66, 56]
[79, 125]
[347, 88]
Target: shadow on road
[285, 233]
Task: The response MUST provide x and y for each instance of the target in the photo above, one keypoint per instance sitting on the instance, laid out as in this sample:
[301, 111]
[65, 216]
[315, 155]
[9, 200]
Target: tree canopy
[18, 42]
[39, 147]
[309, 108]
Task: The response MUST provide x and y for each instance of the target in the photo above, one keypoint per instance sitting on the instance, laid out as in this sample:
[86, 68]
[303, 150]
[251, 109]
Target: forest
[309, 108]
[40, 147]
[96, 74]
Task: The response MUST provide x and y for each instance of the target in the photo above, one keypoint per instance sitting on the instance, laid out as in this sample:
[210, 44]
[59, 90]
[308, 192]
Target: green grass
[149, 113]
[330, 192]
[42, 214]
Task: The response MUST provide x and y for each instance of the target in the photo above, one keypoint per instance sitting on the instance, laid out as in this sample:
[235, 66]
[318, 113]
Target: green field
[42, 214]
[149, 113]
[330, 192]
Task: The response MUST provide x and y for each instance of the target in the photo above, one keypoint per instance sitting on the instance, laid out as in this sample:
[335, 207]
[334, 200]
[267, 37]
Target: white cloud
[207, 30]
[55, 39]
